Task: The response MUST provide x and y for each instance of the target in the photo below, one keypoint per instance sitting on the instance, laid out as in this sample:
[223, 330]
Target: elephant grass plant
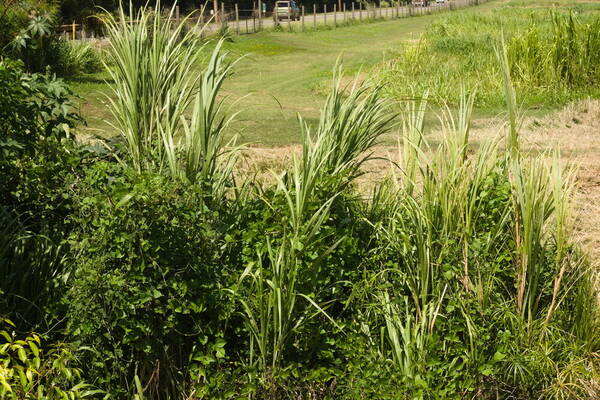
[437, 213]
[352, 120]
[165, 104]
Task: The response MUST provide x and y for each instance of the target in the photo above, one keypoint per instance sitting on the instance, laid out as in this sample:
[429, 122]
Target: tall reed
[352, 120]
[475, 206]
[157, 82]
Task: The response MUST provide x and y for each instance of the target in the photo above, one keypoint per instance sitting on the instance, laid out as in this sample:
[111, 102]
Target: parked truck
[286, 10]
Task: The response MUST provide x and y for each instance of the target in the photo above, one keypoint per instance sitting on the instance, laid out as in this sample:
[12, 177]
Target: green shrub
[28, 371]
[15, 16]
[29, 33]
[37, 162]
[35, 107]
[148, 292]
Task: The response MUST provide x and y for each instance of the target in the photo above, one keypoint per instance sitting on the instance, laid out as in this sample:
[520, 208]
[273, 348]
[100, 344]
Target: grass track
[283, 74]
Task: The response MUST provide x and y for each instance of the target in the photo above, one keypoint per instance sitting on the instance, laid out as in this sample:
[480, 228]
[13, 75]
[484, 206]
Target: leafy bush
[15, 16]
[29, 34]
[33, 44]
[147, 295]
[36, 108]
[37, 160]
[27, 371]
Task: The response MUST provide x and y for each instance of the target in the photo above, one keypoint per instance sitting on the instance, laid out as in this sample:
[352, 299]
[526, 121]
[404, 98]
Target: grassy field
[283, 74]
[552, 55]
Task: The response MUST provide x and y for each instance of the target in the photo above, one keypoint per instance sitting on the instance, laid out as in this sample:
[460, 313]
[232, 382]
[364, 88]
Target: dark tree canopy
[78, 9]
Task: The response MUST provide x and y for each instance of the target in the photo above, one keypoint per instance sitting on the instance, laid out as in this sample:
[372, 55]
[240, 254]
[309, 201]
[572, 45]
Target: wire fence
[234, 20]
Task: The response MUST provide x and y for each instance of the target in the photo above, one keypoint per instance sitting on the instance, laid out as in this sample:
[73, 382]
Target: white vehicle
[286, 10]
[440, 1]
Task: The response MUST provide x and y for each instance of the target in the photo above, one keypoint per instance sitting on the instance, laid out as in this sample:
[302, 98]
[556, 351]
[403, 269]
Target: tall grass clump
[158, 81]
[565, 55]
[30, 264]
[275, 290]
[352, 121]
[477, 244]
[75, 58]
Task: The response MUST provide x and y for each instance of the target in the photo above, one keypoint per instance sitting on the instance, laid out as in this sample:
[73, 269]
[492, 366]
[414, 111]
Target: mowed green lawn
[282, 75]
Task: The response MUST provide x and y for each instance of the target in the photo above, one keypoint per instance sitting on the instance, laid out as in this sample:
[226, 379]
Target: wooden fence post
[344, 6]
[289, 22]
[314, 15]
[74, 30]
[352, 11]
[360, 11]
[237, 19]
[302, 18]
[325, 13]
[223, 19]
[335, 16]
[259, 15]
[177, 15]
